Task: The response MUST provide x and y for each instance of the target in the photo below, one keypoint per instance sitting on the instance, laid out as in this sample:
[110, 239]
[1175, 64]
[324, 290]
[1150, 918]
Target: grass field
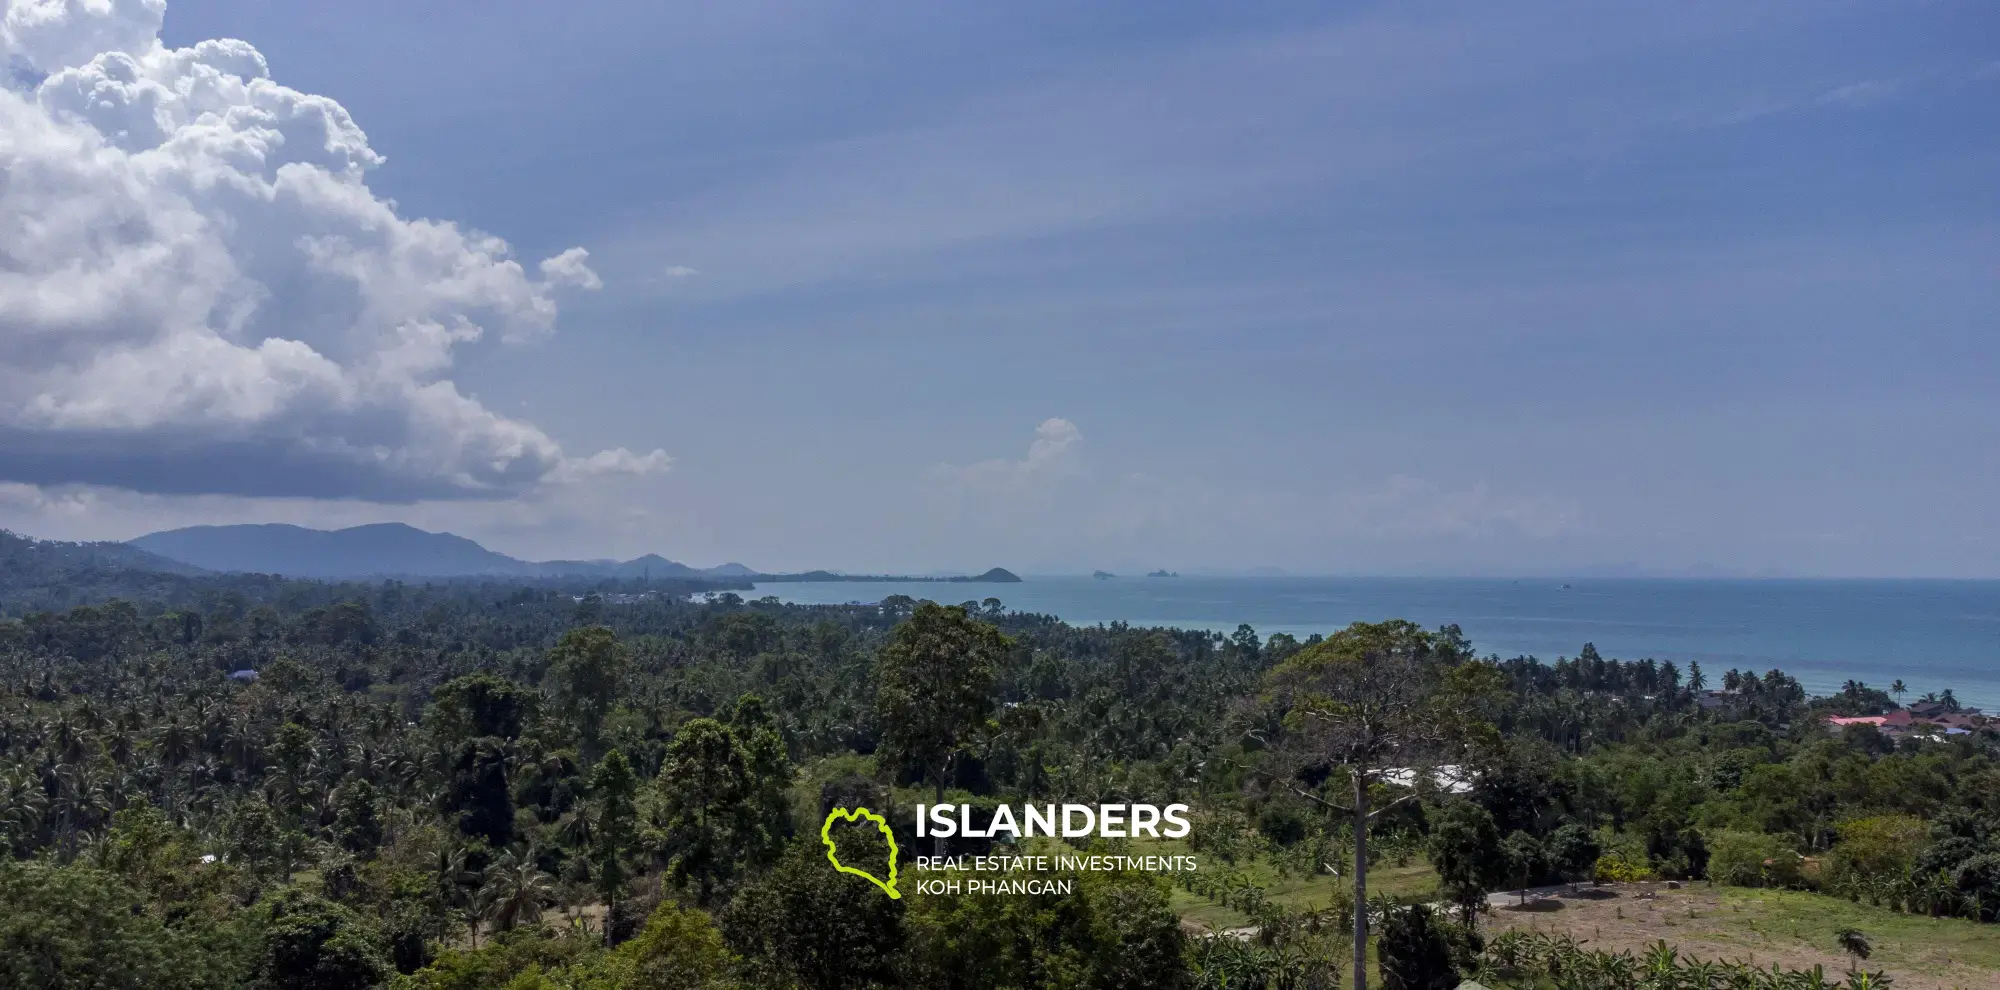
[1791, 928]
[1294, 893]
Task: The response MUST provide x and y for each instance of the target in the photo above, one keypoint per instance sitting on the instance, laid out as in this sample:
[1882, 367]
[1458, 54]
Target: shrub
[1753, 859]
[1871, 848]
[1415, 951]
[1613, 867]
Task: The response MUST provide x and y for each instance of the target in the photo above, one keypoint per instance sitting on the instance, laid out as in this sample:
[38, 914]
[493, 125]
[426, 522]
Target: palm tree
[1855, 945]
[450, 877]
[22, 803]
[176, 742]
[1898, 690]
[515, 891]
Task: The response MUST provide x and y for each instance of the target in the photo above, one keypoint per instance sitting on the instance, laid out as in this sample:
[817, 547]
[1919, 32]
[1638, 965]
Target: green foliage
[935, 678]
[615, 832]
[357, 822]
[1871, 849]
[1114, 931]
[710, 798]
[1464, 848]
[805, 924]
[1571, 852]
[514, 890]
[770, 766]
[480, 794]
[528, 952]
[678, 949]
[478, 705]
[309, 943]
[1611, 867]
[1415, 952]
[585, 671]
[1524, 856]
[426, 757]
[1752, 859]
[72, 927]
[1530, 958]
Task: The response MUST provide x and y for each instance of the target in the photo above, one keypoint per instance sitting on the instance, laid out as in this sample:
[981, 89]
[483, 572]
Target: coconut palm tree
[514, 891]
[22, 806]
[1898, 689]
[176, 742]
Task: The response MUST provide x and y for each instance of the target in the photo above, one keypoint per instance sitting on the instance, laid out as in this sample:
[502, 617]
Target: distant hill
[51, 574]
[21, 553]
[383, 550]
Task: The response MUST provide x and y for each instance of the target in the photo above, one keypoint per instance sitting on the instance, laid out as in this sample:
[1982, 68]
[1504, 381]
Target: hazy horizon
[1372, 290]
[1606, 571]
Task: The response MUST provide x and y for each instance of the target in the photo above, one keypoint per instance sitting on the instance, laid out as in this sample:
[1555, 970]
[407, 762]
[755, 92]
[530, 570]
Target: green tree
[478, 791]
[75, 927]
[256, 842]
[514, 891]
[1414, 951]
[1571, 852]
[679, 949]
[310, 943]
[770, 769]
[804, 924]
[934, 688]
[1464, 848]
[585, 670]
[612, 789]
[708, 796]
[1525, 859]
[357, 821]
[479, 705]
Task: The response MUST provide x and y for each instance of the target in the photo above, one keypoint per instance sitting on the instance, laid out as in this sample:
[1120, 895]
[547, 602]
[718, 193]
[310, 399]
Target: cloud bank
[199, 294]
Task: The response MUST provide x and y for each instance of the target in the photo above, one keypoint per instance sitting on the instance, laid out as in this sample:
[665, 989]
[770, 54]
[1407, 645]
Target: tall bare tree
[1374, 704]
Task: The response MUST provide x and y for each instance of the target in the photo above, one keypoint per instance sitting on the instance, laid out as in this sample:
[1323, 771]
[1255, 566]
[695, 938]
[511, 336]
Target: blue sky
[1409, 288]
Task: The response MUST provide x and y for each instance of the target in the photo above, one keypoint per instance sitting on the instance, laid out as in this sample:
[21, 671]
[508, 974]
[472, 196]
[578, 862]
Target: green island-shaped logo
[826, 836]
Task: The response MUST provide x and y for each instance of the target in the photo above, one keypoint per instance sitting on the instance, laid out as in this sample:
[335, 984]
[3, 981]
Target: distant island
[998, 575]
[1102, 575]
[1163, 572]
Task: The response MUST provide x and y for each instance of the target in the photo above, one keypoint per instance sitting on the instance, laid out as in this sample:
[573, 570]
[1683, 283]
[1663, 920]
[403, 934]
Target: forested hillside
[487, 785]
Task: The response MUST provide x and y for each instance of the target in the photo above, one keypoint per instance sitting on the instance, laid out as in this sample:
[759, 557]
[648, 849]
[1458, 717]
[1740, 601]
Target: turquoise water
[1932, 634]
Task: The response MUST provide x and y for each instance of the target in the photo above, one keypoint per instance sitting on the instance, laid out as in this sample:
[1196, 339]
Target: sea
[1932, 635]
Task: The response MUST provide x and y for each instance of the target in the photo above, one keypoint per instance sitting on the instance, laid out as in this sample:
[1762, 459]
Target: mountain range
[382, 550]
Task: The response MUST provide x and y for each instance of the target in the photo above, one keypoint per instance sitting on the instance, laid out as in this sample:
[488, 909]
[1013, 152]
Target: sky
[1360, 288]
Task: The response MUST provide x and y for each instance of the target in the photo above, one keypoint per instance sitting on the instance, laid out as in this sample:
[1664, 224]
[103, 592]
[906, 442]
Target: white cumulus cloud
[1054, 454]
[200, 294]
